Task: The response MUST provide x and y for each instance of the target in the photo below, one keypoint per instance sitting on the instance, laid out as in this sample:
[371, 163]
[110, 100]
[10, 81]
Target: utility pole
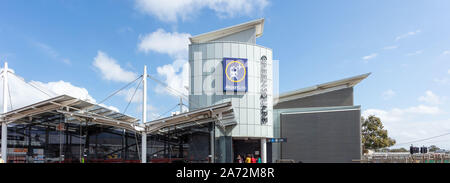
[144, 117]
[5, 110]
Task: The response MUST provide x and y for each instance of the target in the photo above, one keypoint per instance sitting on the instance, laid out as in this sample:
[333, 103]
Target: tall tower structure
[227, 65]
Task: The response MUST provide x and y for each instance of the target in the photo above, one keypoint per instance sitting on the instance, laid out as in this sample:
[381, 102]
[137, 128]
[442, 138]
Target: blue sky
[405, 44]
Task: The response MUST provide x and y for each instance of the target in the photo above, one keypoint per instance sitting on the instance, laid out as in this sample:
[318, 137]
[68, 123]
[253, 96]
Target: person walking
[248, 159]
[239, 159]
[253, 159]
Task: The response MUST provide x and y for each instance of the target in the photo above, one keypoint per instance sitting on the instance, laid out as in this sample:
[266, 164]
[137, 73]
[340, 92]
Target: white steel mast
[5, 110]
[144, 117]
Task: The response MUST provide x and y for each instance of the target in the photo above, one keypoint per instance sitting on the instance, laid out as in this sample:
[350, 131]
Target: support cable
[32, 85]
[126, 86]
[161, 115]
[131, 99]
[180, 94]
[420, 140]
[10, 99]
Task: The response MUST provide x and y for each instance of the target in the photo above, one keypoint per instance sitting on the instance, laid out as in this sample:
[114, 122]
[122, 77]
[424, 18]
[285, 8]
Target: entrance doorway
[246, 147]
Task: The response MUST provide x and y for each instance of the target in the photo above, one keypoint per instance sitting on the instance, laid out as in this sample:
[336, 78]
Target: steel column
[5, 110]
[263, 150]
[144, 117]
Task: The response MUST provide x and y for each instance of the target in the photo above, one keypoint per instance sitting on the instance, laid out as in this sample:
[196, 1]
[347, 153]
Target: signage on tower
[263, 97]
[235, 76]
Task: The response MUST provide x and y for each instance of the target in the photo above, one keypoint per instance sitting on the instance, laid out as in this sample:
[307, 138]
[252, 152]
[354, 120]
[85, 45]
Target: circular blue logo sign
[235, 71]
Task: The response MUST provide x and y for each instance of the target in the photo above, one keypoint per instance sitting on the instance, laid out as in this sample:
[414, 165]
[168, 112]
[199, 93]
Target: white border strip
[305, 112]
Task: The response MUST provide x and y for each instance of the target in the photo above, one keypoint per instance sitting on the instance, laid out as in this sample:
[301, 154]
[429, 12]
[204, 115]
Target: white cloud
[115, 109]
[23, 94]
[446, 52]
[152, 113]
[415, 53]
[111, 70]
[231, 8]
[388, 94]
[65, 88]
[403, 36]
[153, 116]
[172, 10]
[371, 56]
[413, 123]
[390, 47]
[431, 98]
[51, 52]
[423, 109]
[128, 94]
[382, 114]
[176, 76]
[174, 44]
[448, 71]
[397, 114]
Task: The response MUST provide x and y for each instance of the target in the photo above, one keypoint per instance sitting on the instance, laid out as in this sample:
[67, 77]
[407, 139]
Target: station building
[318, 124]
[232, 111]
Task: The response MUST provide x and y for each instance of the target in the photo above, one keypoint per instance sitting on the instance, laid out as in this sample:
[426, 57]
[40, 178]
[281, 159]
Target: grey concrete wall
[343, 97]
[323, 137]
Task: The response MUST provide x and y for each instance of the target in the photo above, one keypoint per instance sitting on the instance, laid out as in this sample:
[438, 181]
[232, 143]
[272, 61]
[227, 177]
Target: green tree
[373, 134]
[433, 148]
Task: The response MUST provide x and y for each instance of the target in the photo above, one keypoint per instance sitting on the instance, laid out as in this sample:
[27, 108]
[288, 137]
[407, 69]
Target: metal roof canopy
[321, 88]
[223, 114]
[75, 109]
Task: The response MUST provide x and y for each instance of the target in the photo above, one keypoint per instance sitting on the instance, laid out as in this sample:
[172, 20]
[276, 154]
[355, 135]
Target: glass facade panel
[56, 139]
[52, 139]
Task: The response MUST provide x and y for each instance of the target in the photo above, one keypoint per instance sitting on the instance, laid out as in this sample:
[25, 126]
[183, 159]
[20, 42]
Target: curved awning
[221, 114]
[76, 110]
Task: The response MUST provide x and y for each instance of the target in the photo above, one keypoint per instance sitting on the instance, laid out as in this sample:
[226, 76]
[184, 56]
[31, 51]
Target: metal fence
[406, 158]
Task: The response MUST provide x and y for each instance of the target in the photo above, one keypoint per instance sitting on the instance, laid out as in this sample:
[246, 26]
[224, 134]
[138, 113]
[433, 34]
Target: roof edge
[327, 87]
[213, 35]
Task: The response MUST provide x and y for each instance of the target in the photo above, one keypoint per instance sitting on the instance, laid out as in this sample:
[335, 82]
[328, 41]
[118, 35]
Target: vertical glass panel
[218, 50]
[242, 51]
[210, 51]
[226, 49]
[234, 50]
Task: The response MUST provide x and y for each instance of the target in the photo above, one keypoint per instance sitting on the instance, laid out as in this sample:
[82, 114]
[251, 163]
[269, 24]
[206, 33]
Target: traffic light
[414, 150]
